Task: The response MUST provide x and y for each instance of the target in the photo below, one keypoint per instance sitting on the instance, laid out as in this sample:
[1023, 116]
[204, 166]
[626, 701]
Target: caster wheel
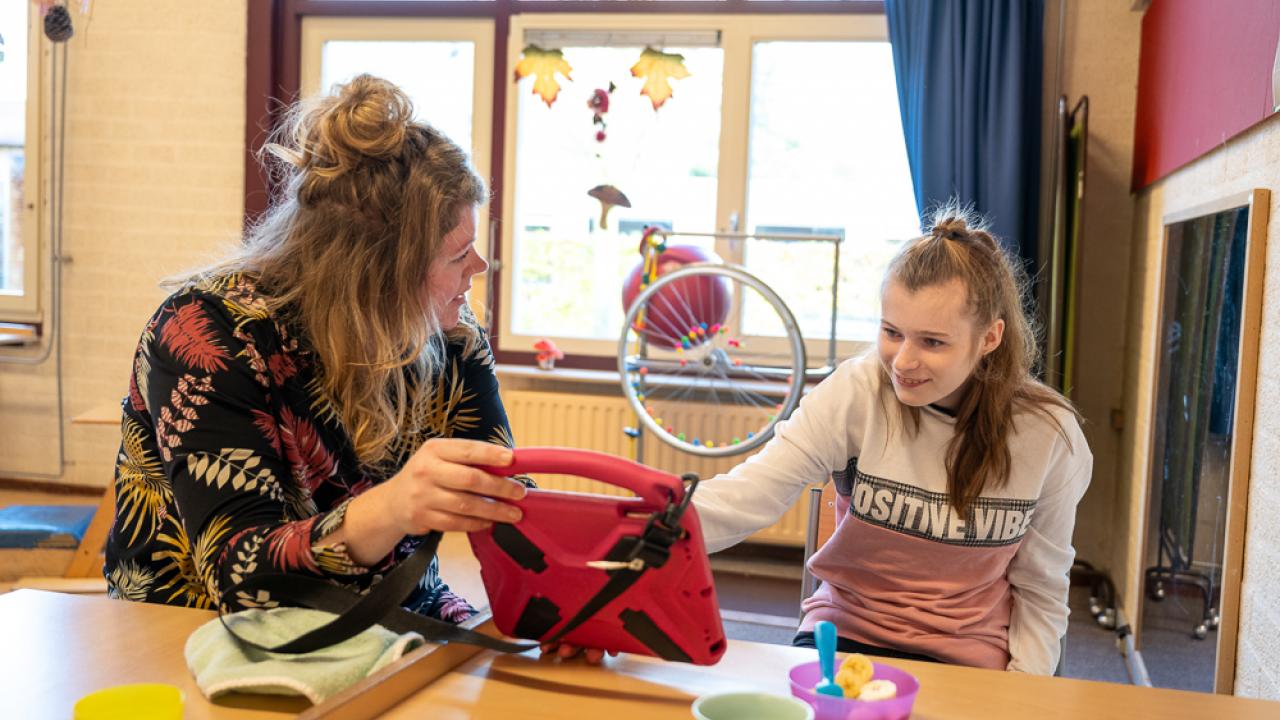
[1214, 619]
[1107, 618]
[1157, 594]
[1201, 631]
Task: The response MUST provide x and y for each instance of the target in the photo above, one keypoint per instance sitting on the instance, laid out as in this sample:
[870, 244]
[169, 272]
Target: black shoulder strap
[652, 549]
[356, 613]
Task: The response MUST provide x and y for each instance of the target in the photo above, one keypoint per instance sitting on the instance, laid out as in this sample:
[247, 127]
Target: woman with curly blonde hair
[313, 404]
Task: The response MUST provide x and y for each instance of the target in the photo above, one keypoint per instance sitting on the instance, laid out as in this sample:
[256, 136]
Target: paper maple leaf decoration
[543, 64]
[658, 69]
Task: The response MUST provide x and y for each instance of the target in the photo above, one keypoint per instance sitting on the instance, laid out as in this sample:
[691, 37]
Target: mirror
[1210, 299]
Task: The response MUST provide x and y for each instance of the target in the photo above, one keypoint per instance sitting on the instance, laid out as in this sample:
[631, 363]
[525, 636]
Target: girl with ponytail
[957, 472]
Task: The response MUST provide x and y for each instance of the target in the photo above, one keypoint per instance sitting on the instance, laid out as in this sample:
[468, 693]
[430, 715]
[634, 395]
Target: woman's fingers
[565, 651]
[471, 480]
[469, 452]
[469, 505]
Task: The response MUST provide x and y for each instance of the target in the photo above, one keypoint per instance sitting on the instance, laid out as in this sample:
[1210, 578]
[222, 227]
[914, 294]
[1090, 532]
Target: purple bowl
[825, 707]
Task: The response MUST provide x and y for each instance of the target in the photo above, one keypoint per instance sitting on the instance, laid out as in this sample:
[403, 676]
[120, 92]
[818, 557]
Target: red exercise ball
[684, 305]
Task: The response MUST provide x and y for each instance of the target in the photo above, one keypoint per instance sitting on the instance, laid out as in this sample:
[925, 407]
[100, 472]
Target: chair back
[822, 524]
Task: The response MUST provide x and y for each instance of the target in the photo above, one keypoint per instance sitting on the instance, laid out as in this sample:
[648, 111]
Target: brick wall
[153, 184]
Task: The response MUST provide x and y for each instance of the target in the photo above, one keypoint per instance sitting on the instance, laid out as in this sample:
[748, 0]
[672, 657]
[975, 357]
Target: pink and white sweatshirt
[902, 569]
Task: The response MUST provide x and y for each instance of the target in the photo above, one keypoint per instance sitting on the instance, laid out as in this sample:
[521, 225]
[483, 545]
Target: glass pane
[13, 109]
[827, 154]
[438, 75]
[568, 268]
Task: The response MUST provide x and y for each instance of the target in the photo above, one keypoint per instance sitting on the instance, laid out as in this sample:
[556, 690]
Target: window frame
[26, 306]
[273, 81]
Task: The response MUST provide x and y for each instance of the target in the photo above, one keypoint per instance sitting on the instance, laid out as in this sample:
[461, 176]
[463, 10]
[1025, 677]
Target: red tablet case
[537, 575]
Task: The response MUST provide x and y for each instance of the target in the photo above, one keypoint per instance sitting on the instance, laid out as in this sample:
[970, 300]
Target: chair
[822, 523]
[84, 573]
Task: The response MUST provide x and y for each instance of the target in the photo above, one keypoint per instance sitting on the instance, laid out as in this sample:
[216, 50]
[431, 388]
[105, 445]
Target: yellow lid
[143, 701]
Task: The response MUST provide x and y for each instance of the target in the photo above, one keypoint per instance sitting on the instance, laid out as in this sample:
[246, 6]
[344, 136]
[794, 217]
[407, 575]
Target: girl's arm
[1039, 572]
[804, 450]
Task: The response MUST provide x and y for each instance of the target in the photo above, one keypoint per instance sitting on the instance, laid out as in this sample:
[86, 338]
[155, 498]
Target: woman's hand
[437, 489]
[440, 489]
[564, 651]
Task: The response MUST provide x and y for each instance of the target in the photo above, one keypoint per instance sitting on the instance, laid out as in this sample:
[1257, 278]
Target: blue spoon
[826, 635]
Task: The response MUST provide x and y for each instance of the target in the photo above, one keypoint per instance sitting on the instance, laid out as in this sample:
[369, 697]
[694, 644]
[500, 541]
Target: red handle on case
[654, 486]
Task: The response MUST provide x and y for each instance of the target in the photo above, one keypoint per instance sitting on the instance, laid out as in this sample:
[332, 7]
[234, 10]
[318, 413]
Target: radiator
[593, 422]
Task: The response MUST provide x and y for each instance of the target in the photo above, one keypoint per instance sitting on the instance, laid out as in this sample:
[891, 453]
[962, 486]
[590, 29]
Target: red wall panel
[1204, 75]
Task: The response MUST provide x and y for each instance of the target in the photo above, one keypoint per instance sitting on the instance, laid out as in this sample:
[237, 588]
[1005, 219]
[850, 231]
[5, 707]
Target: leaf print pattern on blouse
[177, 417]
[130, 581]
[237, 466]
[309, 459]
[445, 412]
[185, 566]
[142, 489]
[289, 547]
[140, 378]
[266, 424]
[189, 335]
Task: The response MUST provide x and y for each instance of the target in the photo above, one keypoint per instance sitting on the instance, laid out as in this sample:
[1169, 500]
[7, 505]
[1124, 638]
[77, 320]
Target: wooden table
[57, 647]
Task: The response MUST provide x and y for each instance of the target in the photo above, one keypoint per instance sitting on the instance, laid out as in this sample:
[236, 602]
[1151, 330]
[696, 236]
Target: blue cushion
[44, 526]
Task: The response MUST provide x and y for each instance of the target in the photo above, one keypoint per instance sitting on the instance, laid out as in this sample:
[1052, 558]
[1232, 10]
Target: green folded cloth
[221, 665]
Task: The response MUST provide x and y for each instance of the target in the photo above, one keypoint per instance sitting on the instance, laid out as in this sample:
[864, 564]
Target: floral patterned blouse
[233, 462]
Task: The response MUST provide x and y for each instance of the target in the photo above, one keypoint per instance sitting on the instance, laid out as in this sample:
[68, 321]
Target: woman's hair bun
[365, 118]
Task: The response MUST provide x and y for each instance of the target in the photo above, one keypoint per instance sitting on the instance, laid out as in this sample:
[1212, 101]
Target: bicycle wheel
[691, 376]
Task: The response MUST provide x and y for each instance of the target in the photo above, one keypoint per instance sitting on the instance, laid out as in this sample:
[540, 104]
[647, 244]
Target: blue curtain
[969, 89]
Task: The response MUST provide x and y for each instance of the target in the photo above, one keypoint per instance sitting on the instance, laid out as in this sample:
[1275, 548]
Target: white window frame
[738, 34]
[26, 306]
[316, 31]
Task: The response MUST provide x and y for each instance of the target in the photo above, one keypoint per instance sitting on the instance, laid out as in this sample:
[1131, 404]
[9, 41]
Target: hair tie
[940, 232]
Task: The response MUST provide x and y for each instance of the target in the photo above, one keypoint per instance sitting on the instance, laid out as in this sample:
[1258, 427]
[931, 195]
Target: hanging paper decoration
[543, 64]
[658, 70]
[609, 197]
[598, 104]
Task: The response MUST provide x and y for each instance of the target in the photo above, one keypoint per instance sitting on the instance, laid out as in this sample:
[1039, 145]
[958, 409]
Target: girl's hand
[564, 651]
[439, 489]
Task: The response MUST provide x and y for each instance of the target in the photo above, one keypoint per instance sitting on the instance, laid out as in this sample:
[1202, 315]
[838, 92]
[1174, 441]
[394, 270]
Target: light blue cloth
[222, 665]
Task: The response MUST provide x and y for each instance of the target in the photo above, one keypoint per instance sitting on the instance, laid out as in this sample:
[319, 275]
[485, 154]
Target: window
[568, 260]
[785, 124]
[827, 156]
[19, 131]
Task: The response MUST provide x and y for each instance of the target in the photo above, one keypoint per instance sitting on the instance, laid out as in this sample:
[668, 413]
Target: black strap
[652, 549]
[356, 613]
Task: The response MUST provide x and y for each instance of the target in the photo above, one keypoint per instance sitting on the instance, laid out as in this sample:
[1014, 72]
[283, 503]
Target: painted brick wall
[153, 184]
[1251, 160]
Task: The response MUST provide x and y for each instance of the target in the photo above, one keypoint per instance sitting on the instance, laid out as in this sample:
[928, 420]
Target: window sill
[569, 380]
[599, 382]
